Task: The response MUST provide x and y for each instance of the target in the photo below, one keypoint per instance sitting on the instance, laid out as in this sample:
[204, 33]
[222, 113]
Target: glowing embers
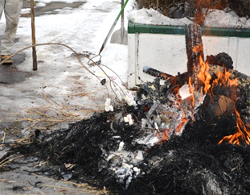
[170, 118]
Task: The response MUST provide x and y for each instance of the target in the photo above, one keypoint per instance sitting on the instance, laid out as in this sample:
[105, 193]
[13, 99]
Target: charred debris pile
[165, 144]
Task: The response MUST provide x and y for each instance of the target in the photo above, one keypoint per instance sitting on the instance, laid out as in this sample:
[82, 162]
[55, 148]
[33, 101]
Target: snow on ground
[151, 16]
[215, 18]
[220, 18]
[60, 76]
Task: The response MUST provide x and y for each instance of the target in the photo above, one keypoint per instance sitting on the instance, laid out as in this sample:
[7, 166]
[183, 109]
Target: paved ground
[23, 180]
[52, 8]
[9, 73]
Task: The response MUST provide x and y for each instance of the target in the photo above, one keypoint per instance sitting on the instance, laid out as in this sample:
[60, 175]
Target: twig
[8, 160]
[3, 138]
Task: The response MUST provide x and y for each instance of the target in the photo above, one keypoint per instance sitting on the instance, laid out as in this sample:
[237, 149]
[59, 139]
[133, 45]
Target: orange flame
[181, 125]
[198, 48]
[165, 135]
[191, 89]
[224, 78]
[204, 75]
[243, 132]
[203, 8]
[184, 119]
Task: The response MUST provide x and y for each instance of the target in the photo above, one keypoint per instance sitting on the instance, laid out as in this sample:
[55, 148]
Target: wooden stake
[33, 35]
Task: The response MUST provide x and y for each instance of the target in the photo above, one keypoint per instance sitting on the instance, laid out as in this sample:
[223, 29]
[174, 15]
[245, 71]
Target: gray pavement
[52, 8]
[9, 74]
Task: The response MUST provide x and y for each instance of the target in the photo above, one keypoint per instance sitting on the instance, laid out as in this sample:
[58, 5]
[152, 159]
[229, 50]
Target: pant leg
[12, 11]
[2, 2]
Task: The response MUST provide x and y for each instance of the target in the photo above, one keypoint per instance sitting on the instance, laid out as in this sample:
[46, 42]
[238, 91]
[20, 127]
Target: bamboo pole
[33, 35]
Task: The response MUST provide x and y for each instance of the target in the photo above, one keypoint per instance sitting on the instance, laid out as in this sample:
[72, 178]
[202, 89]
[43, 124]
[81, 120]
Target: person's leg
[12, 11]
[2, 2]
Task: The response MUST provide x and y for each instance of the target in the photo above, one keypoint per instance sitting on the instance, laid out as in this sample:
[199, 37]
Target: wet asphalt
[51, 8]
[9, 74]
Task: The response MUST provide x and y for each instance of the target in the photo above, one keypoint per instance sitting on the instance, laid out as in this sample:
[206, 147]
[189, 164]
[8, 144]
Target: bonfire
[180, 134]
[183, 134]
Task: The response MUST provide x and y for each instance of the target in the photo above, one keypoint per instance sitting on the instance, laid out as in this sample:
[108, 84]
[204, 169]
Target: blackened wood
[194, 49]
[179, 79]
[221, 59]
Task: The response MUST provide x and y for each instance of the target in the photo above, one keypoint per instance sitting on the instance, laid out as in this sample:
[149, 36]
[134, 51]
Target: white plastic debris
[121, 145]
[110, 157]
[116, 137]
[124, 175]
[124, 164]
[150, 140]
[130, 99]
[156, 126]
[108, 106]
[128, 119]
[136, 170]
[139, 156]
[184, 92]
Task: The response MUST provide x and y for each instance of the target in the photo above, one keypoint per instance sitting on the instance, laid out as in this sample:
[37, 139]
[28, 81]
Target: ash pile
[183, 134]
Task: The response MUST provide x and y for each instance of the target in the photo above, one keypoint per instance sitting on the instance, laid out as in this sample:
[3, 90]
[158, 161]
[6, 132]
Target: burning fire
[209, 86]
[191, 90]
[223, 79]
[204, 75]
[241, 134]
